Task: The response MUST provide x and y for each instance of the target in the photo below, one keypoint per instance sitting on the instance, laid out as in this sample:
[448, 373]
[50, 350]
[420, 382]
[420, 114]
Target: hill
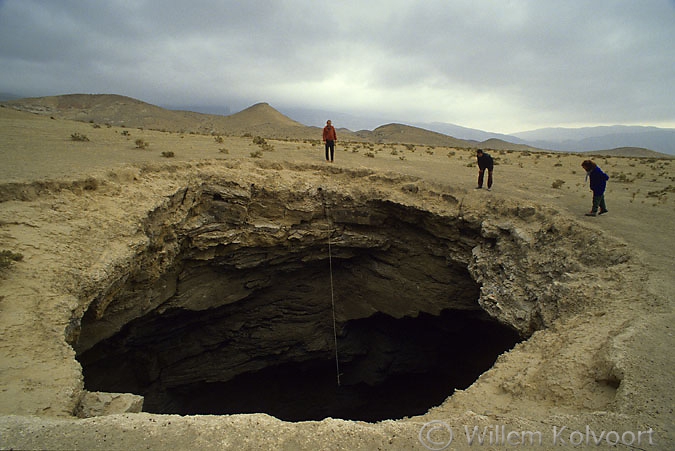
[630, 152]
[602, 137]
[258, 120]
[399, 133]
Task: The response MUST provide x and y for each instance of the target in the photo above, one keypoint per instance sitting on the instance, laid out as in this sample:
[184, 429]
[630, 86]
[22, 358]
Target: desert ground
[68, 207]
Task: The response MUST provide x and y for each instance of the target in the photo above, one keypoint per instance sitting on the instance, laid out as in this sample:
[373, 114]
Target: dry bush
[79, 137]
[9, 257]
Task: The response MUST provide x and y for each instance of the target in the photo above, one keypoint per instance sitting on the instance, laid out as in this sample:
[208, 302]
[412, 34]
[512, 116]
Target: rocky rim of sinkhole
[244, 286]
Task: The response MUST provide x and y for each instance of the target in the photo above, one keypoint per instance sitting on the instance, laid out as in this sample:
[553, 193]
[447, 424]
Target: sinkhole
[299, 306]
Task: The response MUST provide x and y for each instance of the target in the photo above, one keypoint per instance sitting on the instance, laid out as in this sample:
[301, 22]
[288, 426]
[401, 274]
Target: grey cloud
[559, 62]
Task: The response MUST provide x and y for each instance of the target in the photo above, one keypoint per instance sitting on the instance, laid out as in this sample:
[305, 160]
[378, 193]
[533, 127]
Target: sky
[497, 65]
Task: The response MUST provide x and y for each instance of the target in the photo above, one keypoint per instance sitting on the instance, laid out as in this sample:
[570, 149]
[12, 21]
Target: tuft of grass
[558, 184]
[140, 144]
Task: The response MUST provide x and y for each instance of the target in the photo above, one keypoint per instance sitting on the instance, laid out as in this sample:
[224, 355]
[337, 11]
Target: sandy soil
[67, 205]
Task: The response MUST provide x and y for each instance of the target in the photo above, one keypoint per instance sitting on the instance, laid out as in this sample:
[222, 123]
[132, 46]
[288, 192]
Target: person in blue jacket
[598, 183]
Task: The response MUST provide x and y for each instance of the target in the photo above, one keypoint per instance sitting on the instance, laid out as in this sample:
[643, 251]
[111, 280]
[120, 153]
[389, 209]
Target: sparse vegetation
[662, 193]
[168, 154]
[621, 177]
[79, 137]
[7, 258]
[558, 184]
[256, 154]
[219, 139]
[141, 144]
[264, 145]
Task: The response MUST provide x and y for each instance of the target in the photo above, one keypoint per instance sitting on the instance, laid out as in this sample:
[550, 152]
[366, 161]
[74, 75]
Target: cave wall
[235, 277]
[216, 244]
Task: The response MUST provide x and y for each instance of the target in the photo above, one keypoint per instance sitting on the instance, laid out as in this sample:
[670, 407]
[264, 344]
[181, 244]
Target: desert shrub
[125, 133]
[451, 154]
[558, 183]
[259, 141]
[662, 193]
[140, 144]
[219, 139]
[79, 137]
[394, 152]
[410, 147]
[621, 178]
[430, 152]
[558, 164]
[168, 154]
[256, 154]
[224, 150]
[370, 154]
[9, 257]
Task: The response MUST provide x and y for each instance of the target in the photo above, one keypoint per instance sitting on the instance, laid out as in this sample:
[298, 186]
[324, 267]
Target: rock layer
[235, 275]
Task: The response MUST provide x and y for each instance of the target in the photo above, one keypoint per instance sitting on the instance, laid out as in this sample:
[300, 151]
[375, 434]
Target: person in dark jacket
[484, 161]
[598, 183]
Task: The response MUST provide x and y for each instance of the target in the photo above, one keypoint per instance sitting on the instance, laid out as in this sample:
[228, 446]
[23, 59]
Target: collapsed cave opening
[235, 304]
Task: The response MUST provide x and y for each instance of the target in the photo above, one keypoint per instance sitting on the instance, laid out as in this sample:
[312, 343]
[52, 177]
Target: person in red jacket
[329, 138]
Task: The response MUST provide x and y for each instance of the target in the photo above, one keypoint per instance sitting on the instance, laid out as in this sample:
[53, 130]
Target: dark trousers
[330, 145]
[481, 172]
[599, 201]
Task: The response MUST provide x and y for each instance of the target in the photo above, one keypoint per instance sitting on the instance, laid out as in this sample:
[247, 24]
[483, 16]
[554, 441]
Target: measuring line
[332, 300]
[332, 291]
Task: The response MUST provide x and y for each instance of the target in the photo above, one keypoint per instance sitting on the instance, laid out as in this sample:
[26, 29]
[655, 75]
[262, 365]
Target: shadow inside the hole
[390, 368]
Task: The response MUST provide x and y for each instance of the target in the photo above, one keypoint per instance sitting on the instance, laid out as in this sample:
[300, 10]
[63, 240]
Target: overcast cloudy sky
[502, 66]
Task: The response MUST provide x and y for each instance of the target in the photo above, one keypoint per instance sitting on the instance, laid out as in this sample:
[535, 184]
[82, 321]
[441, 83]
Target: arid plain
[603, 363]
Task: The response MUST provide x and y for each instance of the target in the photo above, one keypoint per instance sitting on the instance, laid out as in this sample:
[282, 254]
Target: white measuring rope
[332, 300]
[332, 291]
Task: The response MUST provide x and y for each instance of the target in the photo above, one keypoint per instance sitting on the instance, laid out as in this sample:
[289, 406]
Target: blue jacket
[598, 181]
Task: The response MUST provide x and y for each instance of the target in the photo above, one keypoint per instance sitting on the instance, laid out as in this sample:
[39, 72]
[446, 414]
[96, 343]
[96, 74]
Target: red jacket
[329, 133]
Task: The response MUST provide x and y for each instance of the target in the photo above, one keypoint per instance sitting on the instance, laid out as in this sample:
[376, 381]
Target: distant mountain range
[604, 137]
[262, 119]
[560, 139]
